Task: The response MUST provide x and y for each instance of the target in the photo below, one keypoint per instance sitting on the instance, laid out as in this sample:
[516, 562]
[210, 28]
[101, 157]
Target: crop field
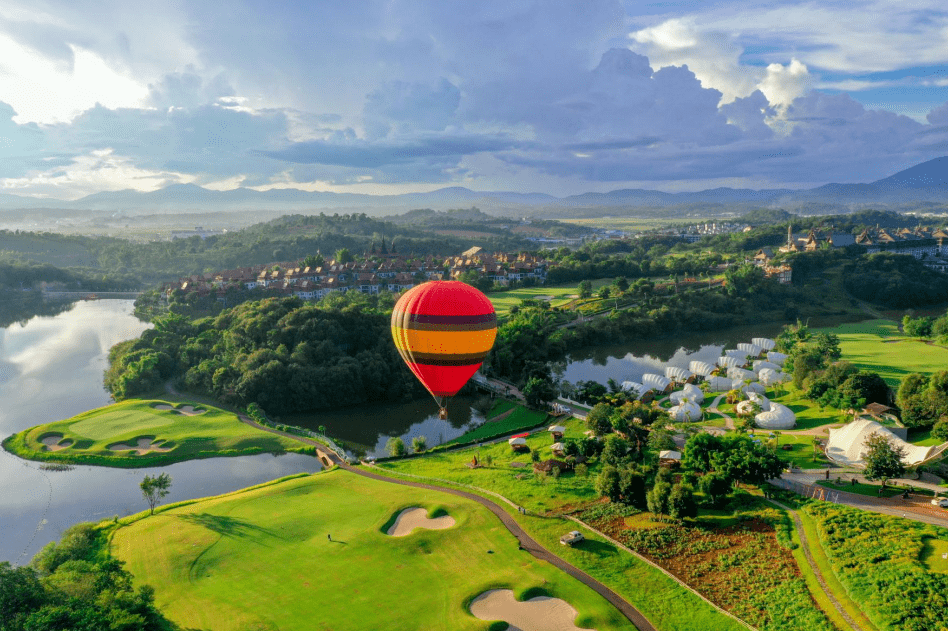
[263, 559]
[519, 418]
[878, 345]
[136, 433]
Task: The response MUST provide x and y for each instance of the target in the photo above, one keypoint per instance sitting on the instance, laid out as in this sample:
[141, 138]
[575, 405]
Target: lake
[51, 368]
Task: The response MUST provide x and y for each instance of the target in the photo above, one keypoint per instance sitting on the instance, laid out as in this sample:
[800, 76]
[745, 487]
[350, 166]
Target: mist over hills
[925, 182]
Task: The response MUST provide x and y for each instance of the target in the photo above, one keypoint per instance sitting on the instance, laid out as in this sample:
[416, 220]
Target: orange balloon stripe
[443, 342]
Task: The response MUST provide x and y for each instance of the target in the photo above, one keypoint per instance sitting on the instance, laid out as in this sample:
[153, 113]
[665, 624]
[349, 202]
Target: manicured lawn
[923, 438]
[801, 454]
[808, 413]
[261, 559]
[214, 432]
[872, 490]
[520, 419]
[877, 345]
[504, 300]
[935, 555]
[518, 483]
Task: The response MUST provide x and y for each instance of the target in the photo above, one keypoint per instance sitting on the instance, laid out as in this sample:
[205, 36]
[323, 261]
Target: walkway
[526, 541]
[713, 408]
[816, 570]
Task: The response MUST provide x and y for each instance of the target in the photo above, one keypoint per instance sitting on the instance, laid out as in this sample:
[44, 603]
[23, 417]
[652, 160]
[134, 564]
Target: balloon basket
[443, 414]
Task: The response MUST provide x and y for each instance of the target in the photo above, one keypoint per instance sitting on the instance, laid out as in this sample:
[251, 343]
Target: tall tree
[883, 459]
[155, 488]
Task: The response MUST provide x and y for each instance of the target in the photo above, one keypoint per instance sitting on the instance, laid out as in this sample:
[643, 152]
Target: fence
[808, 490]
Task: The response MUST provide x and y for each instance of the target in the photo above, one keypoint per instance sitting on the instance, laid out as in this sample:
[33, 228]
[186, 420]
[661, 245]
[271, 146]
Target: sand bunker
[52, 442]
[187, 410]
[412, 518]
[145, 446]
[542, 613]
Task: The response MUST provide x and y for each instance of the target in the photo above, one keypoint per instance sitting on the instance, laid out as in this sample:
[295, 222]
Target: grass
[872, 490]
[519, 484]
[923, 437]
[213, 433]
[261, 560]
[877, 345]
[520, 419]
[504, 300]
[800, 454]
[808, 413]
[935, 555]
[829, 576]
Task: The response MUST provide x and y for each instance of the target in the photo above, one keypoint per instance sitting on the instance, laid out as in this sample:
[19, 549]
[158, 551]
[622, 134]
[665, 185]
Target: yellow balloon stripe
[443, 342]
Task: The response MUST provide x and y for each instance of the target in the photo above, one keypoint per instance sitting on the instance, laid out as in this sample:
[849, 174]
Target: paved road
[526, 541]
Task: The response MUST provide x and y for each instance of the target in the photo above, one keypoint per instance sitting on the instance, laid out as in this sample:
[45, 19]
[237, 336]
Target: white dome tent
[729, 362]
[752, 349]
[769, 376]
[760, 364]
[720, 384]
[633, 387]
[690, 392]
[765, 343]
[686, 412]
[748, 388]
[777, 358]
[777, 417]
[679, 375]
[701, 368]
[752, 397]
[846, 445]
[737, 354]
[651, 381]
[741, 374]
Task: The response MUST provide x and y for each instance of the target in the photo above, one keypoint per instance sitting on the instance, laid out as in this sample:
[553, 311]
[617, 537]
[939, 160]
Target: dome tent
[776, 358]
[680, 375]
[760, 364]
[686, 412]
[752, 397]
[778, 417]
[765, 343]
[651, 381]
[769, 376]
[701, 368]
[729, 362]
[748, 388]
[720, 384]
[740, 373]
[690, 392]
[737, 354]
[633, 387]
[752, 349]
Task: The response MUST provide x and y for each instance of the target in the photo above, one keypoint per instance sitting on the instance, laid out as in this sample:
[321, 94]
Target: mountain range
[925, 182]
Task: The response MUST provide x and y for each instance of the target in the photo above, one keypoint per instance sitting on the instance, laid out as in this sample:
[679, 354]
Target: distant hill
[924, 183]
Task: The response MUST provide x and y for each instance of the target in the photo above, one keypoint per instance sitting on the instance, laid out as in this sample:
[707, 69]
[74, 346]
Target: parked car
[941, 501]
[572, 538]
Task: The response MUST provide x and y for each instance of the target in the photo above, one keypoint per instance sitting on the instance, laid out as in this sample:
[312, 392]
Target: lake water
[51, 368]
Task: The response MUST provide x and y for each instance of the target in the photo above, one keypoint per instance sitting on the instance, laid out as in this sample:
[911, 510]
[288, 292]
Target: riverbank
[146, 433]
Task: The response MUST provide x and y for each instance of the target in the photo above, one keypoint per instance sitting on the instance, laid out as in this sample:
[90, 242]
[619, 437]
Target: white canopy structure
[685, 412]
[557, 429]
[740, 373]
[769, 376]
[557, 447]
[729, 362]
[765, 343]
[748, 388]
[651, 381]
[517, 441]
[669, 454]
[760, 364]
[777, 417]
[720, 384]
[701, 368]
[675, 373]
[752, 397]
[847, 444]
[737, 354]
[776, 358]
[690, 392]
[752, 349]
[633, 387]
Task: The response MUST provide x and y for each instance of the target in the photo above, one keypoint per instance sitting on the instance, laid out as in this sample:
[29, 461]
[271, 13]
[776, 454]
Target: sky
[400, 96]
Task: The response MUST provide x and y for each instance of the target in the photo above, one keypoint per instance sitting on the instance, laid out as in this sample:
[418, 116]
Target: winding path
[527, 542]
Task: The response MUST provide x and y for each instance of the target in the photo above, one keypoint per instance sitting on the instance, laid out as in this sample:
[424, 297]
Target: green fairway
[170, 436]
[261, 559]
[877, 345]
[520, 418]
[504, 300]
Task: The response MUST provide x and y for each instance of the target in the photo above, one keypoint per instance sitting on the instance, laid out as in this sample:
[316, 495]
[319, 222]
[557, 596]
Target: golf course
[144, 432]
[212, 562]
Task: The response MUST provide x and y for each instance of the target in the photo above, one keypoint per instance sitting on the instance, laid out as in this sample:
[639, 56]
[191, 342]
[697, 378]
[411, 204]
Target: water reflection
[51, 368]
[367, 428]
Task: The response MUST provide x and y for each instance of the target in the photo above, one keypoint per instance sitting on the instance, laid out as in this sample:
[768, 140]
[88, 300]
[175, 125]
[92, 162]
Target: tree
[419, 444]
[615, 450]
[395, 446]
[585, 289]
[343, 255]
[699, 451]
[883, 459]
[681, 502]
[632, 487]
[621, 283]
[539, 391]
[715, 487]
[155, 488]
[603, 292]
[865, 385]
[608, 483]
[21, 593]
[657, 499]
[660, 440]
[940, 430]
[599, 419]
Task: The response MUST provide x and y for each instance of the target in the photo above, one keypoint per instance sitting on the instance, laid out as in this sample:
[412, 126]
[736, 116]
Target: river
[51, 368]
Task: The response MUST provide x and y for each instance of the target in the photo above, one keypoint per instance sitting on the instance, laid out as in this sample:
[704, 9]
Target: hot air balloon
[444, 330]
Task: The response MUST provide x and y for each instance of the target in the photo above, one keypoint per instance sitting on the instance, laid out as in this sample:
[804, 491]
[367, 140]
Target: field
[261, 559]
[878, 345]
[519, 418]
[504, 300]
[166, 436]
[633, 223]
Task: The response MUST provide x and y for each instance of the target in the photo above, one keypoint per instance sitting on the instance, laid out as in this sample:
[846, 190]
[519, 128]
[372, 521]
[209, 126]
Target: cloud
[410, 107]
[785, 83]
[939, 115]
[189, 89]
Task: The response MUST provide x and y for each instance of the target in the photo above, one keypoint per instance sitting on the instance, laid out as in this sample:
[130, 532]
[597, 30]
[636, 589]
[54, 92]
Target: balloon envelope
[444, 330]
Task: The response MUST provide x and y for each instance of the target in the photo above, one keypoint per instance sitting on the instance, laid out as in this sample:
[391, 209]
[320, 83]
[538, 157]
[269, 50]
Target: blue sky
[396, 96]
